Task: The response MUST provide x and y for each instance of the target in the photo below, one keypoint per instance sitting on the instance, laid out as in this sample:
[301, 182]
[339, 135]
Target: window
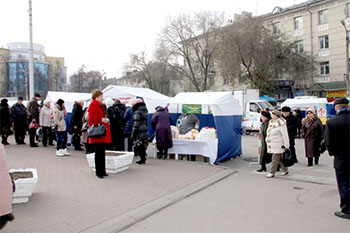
[276, 28]
[324, 68]
[298, 23]
[324, 42]
[299, 46]
[253, 107]
[347, 10]
[323, 17]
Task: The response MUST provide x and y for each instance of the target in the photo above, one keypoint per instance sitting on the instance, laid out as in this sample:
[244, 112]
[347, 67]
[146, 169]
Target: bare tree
[251, 54]
[195, 39]
[85, 81]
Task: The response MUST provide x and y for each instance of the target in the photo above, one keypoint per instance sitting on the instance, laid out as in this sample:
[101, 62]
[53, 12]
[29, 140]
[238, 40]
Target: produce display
[206, 133]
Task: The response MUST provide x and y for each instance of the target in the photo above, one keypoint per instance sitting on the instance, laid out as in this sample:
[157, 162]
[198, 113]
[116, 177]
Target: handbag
[287, 158]
[323, 147]
[85, 127]
[97, 131]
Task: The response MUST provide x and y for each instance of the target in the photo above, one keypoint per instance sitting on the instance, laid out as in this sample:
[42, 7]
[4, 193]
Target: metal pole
[347, 60]
[31, 64]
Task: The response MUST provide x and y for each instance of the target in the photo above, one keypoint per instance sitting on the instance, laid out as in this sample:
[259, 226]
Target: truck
[252, 105]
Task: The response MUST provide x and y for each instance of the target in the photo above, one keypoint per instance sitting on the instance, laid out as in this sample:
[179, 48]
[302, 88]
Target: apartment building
[49, 72]
[319, 28]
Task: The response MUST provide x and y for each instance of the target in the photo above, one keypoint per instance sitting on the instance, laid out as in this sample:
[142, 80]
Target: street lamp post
[31, 64]
[346, 76]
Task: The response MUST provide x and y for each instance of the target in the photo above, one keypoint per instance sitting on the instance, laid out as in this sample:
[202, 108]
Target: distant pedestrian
[128, 122]
[19, 117]
[46, 123]
[61, 127]
[76, 123]
[140, 130]
[313, 134]
[97, 115]
[277, 142]
[161, 123]
[33, 119]
[292, 126]
[116, 114]
[264, 157]
[5, 121]
[337, 138]
[299, 116]
[5, 191]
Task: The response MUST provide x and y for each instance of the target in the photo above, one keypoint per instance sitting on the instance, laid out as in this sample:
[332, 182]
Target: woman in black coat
[76, 123]
[161, 123]
[264, 157]
[115, 114]
[140, 130]
[5, 121]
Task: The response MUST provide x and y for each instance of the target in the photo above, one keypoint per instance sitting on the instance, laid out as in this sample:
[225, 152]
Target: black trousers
[343, 180]
[20, 132]
[310, 160]
[76, 141]
[100, 159]
[163, 153]
[32, 134]
[47, 133]
[292, 149]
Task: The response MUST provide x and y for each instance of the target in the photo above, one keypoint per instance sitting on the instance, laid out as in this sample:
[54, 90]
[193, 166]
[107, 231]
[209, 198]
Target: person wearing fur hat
[45, 120]
[313, 134]
[292, 126]
[277, 142]
[265, 157]
[337, 138]
[60, 123]
[140, 130]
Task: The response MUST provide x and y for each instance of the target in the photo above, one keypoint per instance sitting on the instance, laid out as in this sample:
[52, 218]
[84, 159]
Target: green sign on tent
[192, 108]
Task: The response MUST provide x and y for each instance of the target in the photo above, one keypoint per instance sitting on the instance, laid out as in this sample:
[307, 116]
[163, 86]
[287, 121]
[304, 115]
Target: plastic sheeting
[127, 94]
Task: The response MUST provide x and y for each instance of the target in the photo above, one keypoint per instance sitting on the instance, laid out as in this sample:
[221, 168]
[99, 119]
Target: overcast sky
[103, 33]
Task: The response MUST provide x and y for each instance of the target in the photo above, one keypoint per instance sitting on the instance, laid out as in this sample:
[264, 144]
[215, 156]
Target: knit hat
[311, 110]
[20, 98]
[37, 95]
[265, 113]
[137, 100]
[286, 109]
[60, 102]
[46, 101]
[342, 100]
[109, 102]
[277, 113]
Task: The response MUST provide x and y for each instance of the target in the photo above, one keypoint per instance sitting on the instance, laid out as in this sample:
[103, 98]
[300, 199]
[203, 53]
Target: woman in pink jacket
[5, 191]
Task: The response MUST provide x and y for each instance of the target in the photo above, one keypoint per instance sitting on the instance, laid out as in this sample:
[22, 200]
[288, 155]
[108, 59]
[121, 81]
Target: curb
[126, 220]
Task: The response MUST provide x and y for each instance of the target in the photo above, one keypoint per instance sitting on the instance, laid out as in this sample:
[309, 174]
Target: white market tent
[127, 94]
[68, 97]
[227, 114]
[304, 104]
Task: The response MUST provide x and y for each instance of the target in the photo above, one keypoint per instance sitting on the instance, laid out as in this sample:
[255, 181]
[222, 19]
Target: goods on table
[174, 131]
[207, 133]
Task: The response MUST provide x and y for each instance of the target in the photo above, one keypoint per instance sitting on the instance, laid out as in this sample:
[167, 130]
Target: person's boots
[262, 169]
[5, 219]
[309, 162]
[316, 160]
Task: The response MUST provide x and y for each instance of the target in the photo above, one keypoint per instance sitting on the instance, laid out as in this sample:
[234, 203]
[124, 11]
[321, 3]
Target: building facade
[49, 72]
[319, 28]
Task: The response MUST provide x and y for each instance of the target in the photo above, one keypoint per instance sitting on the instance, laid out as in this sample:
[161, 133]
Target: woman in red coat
[97, 115]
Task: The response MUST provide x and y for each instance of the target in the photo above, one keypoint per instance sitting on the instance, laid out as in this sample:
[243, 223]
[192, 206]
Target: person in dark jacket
[129, 122]
[76, 123]
[337, 138]
[161, 123]
[313, 134]
[115, 114]
[265, 157]
[19, 116]
[292, 125]
[5, 121]
[140, 130]
[33, 115]
[299, 116]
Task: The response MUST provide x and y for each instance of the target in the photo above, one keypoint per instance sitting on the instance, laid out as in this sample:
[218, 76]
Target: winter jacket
[277, 136]
[313, 134]
[115, 114]
[264, 156]
[96, 113]
[76, 121]
[161, 123]
[188, 122]
[58, 118]
[337, 138]
[5, 185]
[19, 113]
[5, 119]
[292, 126]
[140, 129]
[33, 110]
[129, 120]
[46, 116]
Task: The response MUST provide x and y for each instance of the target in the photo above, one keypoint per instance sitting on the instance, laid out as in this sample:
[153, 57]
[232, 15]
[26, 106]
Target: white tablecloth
[207, 148]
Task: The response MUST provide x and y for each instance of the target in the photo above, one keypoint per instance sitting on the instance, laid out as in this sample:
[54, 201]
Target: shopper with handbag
[313, 134]
[277, 142]
[60, 123]
[98, 119]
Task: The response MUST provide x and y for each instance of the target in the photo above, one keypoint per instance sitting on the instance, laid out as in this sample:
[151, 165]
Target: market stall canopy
[68, 97]
[227, 114]
[303, 104]
[221, 103]
[127, 94]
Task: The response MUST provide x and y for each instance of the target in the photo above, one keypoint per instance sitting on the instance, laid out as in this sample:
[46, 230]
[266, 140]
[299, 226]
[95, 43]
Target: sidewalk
[69, 197]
